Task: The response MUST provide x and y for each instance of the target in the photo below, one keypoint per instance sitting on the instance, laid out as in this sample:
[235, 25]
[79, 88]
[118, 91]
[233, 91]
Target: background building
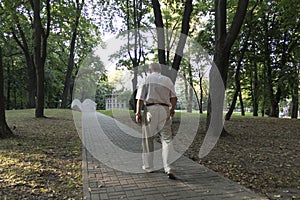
[113, 102]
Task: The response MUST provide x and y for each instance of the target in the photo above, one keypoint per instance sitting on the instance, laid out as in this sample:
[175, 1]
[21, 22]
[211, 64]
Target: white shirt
[156, 88]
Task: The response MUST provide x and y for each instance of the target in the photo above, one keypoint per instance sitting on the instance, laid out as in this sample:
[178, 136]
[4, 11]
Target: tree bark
[201, 95]
[158, 20]
[232, 105]
[185, 26]
[241, 102]
[8, 90]
[40, 54]
[161, 38]
[4, 129]
[39, 112]
[71, 56]
[224, 40]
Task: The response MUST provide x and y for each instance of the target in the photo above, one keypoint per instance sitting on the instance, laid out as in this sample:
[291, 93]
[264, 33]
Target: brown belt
[152, 104]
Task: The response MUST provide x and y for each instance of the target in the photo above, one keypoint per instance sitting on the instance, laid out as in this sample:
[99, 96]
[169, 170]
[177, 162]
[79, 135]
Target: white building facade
[112, 102]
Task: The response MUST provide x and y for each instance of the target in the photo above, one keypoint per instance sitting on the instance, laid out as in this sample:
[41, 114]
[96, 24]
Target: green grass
[44, 159]
[106, 112]
[111, 113]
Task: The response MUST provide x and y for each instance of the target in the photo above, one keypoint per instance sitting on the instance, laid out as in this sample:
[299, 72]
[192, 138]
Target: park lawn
[44, 160]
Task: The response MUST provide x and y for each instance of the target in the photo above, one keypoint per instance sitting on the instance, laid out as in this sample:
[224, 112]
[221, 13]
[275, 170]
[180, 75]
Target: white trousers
[156, 120]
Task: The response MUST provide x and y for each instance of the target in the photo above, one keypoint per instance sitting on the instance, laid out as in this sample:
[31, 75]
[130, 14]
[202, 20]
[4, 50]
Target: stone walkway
[103, 137]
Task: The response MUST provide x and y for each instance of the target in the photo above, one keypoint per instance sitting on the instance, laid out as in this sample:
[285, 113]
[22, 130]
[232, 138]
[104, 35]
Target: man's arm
[173, 104]
[138, 115]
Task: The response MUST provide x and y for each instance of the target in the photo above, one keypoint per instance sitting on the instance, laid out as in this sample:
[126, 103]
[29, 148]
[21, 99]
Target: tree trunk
[232, 105]
[201, 95]
[158, 20]
[273, 102]
[161, 38]
[224, 42]
[186, 92]
[71, 57]
[241, 102]
[185, 26]
[8, 84]
[190, 86]
[237, 83]
[4, 129]
[39, 112]
[32, 80]
[40, 54]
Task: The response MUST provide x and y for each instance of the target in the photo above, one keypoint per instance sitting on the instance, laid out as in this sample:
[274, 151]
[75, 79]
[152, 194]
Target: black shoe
[171, 176]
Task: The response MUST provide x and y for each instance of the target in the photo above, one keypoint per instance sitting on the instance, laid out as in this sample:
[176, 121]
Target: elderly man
[158, 96]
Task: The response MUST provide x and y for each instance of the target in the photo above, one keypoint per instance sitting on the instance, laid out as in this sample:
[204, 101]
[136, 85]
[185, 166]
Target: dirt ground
[262, 154]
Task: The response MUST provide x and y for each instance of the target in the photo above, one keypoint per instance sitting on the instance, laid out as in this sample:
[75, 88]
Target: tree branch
[236, 23]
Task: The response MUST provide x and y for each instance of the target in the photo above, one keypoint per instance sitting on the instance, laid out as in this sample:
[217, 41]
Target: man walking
[158, 96]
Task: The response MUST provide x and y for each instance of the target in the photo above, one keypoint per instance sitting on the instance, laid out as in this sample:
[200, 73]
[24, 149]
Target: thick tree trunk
[185, 26]
[158, 20]
[295, 92]
[40, 54]
[32, 87]
[71, 57]
[8, 87]
[221, 59]
[161, 37]
[39, 112]
[224, 42]
[4, 129]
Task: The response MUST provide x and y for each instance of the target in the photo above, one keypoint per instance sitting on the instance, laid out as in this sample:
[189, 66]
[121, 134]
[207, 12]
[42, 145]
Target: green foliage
[271, 36]
[17, 28]
[104, 88]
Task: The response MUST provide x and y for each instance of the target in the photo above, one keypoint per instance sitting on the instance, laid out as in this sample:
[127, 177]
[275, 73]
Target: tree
[16, 15]
[240, 52]
[4, 129]
[79, 7]
[275, 37]
[40, 52]
[158, 20]
[224, 40]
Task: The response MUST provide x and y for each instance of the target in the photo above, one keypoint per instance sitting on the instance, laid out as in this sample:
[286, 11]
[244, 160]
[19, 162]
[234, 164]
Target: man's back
[159, 88]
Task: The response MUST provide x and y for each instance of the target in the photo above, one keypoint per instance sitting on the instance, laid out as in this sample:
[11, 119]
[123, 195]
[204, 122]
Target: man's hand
[138, 117]
[173, 104]
[172, 112]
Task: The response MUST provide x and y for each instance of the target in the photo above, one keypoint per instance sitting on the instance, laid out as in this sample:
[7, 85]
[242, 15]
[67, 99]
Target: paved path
[102, 182]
